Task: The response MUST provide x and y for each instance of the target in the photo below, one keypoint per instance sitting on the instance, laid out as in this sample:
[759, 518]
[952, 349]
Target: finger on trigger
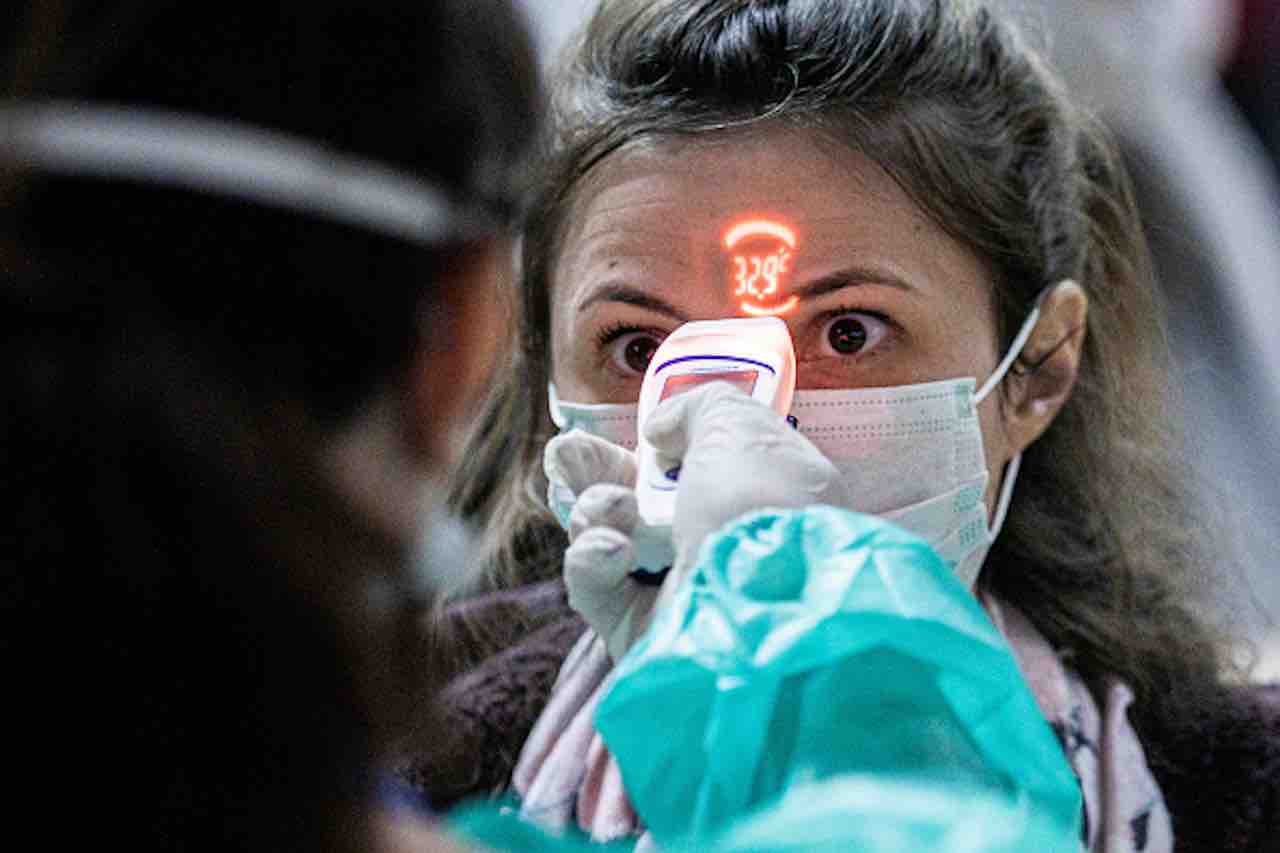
[605, 505]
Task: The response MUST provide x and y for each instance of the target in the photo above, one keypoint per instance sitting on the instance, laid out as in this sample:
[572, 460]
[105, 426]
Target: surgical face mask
[912, 454]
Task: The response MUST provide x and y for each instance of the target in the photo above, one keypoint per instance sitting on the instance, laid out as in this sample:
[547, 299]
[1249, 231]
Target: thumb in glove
[576, 460]
[594, 480]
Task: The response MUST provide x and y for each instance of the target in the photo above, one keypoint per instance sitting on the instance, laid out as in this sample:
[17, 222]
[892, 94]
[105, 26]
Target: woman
[938, 187]
[247, 256]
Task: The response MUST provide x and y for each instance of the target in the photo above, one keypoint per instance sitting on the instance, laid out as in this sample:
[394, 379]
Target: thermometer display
[753, 354]
[743, 380]
[760, 261]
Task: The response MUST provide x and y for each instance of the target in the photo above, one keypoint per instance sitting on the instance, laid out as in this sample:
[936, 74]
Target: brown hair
[1099, 547]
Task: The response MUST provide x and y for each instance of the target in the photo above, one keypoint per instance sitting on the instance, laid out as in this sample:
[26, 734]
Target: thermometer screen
[743, 380]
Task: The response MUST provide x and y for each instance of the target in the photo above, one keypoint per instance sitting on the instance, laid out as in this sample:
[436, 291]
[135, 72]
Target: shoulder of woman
[1221, 777]
[468, 744]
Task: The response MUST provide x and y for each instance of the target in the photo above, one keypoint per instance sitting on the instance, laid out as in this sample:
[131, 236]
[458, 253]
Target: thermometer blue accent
[733, 359]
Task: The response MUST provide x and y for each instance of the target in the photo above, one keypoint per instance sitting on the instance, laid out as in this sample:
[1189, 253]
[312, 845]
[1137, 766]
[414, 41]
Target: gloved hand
[736, 455]
[599, 562]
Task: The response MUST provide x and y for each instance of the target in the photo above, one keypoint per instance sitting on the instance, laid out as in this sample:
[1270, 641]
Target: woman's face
[883, 296]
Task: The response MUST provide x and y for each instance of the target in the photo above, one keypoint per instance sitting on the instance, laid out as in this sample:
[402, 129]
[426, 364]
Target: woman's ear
[1046, 371]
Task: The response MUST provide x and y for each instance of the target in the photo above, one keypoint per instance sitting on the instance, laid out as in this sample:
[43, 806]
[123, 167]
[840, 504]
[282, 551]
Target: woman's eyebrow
[849, 277]
[628, 295]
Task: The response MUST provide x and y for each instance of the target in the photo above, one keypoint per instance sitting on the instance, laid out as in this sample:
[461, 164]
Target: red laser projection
[758, 270]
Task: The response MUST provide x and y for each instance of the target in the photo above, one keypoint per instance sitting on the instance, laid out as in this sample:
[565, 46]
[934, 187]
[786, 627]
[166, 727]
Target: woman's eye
[851, 333]
[632, 352]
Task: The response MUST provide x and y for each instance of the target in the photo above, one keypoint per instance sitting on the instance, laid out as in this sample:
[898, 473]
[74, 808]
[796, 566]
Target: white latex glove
[600, 560]
[735, 455]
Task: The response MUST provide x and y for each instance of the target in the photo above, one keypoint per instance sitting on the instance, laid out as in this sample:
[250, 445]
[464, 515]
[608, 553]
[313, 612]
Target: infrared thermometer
[753, 354]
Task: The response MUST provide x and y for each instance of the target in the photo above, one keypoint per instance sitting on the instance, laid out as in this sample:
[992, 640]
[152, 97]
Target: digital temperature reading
[759, 266]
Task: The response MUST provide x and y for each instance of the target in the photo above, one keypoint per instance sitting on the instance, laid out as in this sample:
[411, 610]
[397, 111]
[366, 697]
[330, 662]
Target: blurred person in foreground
[248, 253]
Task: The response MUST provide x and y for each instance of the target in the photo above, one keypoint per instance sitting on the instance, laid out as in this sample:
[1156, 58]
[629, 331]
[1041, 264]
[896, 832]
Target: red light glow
[758, 276]
[762, 311]
[759, 228]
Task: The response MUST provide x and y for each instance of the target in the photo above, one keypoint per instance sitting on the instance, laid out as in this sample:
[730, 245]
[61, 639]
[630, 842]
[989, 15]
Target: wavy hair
[1101, 548]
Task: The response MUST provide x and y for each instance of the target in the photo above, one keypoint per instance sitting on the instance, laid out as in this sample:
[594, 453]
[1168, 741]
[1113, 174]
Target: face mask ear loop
[1015, 349]
[553, 403]
[1006, 495]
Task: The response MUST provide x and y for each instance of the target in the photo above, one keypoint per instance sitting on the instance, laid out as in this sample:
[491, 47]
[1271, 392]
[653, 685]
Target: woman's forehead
[670, 205]
[705, 185]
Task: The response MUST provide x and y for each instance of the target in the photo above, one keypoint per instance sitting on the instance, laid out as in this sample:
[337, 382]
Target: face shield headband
[233, 160]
